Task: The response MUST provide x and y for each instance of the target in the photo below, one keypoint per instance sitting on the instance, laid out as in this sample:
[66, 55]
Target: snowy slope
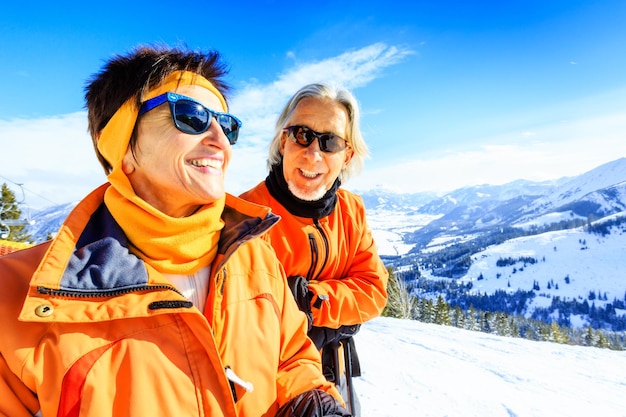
[416, 369]
[585, 259]
[389, 226]
[610, 175]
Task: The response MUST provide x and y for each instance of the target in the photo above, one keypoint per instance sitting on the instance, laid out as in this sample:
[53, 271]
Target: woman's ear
[128, 162]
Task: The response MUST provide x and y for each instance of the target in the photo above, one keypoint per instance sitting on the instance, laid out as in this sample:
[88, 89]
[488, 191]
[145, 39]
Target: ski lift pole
[4, 231]
[6, 224]
[17, 222]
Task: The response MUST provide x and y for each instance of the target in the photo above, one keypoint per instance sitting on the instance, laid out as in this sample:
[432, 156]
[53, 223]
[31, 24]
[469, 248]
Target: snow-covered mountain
[47, 222]
[562, 242]
[472, 212]
[604, 187]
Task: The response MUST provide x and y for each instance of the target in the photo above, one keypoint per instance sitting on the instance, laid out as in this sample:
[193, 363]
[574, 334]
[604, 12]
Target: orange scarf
[170, 245]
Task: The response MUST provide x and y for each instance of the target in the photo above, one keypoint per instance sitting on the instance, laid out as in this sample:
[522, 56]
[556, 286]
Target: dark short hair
[132, 75]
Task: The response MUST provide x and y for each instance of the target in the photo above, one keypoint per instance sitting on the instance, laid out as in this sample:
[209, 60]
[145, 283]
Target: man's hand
[299, 287]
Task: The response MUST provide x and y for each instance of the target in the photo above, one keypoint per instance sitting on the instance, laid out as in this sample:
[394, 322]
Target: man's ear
[283, 139]
[348, 157]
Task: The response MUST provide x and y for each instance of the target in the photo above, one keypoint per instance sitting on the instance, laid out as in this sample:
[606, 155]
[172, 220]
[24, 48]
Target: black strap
[330, 362]
[355, 364]
[347, 358]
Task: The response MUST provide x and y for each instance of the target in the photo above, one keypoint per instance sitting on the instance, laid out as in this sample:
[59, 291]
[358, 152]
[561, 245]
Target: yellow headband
[115, 136]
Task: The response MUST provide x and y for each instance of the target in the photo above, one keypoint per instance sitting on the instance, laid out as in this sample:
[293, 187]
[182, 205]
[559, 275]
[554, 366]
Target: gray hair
[339, 95]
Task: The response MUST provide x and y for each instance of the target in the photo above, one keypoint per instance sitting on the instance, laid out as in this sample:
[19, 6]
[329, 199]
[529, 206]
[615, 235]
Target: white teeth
[206, 163]
[308, 174]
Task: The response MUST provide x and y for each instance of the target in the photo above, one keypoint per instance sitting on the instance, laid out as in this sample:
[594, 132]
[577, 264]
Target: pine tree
[472, 321]
[603, 341]
[557, 335]
[514, 327]
[459, 318]
[426, 311]
[544, 332]
[502, 325]
[10, 211]
[442, 312]
[486, 325]
[400, 303]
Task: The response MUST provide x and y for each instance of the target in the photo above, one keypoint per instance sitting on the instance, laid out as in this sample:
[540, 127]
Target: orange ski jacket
[336, 253]
[91, 330]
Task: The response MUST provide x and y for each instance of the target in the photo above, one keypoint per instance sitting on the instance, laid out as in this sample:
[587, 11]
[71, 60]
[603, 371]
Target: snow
[570, 264]
[389, 226]
[411, 368]
[548, 219]
[442, 242]
[610, 175]
[573, 262]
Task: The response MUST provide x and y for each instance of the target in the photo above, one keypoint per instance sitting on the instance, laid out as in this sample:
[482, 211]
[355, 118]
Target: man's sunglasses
[305, 136]
[192, 117]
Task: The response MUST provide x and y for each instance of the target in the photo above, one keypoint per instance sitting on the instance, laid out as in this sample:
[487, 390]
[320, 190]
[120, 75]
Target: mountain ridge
[558, 254]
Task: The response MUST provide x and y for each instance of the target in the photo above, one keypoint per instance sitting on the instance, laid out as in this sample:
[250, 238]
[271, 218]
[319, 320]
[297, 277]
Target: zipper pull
[232, 377]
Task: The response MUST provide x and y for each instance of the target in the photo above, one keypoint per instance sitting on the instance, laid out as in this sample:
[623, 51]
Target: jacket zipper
[102, 294]
[314, 256]
[315, 253]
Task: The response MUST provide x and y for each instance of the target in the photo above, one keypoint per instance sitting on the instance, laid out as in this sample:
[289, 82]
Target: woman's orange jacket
[336, 253]
[114, 338]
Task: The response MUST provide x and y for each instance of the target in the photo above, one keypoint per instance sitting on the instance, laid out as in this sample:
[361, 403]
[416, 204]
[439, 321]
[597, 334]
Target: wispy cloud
[258, 105]
[560, 149]
[54, 159]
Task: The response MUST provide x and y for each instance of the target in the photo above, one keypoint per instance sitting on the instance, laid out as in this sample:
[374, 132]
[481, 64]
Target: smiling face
[309, 172]
[176, 172]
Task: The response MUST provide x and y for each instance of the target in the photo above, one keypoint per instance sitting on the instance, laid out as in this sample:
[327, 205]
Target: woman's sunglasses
[192, 117]
[305, 136]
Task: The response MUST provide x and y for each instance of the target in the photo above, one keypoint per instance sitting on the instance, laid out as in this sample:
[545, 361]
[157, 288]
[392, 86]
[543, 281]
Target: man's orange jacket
[336, 253]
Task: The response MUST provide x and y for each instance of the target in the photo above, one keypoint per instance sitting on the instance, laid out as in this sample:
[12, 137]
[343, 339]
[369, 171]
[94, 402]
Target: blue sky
[453, 93]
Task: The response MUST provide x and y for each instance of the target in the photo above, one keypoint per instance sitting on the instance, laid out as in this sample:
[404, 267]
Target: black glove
[299, 287]
[323, 336]
[313, 403]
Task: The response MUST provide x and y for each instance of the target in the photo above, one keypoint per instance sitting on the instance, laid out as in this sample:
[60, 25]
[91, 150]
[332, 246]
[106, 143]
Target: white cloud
[54, 159]
[550, 152]
[258, 105]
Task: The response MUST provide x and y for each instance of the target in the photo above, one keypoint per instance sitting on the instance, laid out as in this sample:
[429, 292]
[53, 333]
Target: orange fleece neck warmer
[170, 245]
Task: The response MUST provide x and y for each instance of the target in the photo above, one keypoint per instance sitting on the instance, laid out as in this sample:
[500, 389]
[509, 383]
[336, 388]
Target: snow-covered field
[388, 226]
[567, 263]
[570, 264]
[416, 369]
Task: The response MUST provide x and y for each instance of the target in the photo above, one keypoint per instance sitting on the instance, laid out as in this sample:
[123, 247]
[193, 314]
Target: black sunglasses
[192, 117]
[304, 136]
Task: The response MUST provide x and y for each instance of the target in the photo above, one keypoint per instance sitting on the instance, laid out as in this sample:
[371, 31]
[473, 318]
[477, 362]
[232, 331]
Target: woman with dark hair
[158, 296]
